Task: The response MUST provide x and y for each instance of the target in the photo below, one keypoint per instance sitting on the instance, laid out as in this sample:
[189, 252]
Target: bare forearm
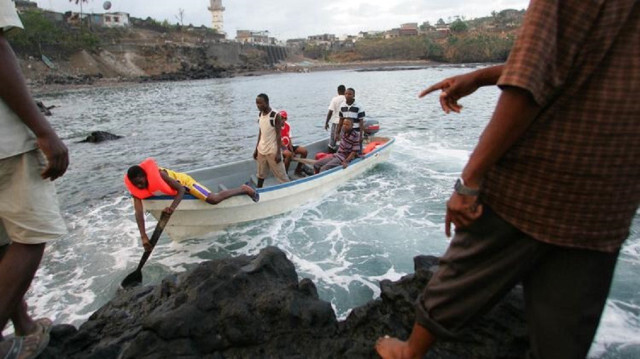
[488, 76]
[329, 114]
[513, 115]
[178, 198]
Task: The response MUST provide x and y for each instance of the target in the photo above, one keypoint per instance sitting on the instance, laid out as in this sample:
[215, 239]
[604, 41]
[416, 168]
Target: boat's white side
[194, 217]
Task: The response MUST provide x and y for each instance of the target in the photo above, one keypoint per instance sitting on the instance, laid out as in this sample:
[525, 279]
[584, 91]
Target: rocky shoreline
[256, 307]
[57, 83]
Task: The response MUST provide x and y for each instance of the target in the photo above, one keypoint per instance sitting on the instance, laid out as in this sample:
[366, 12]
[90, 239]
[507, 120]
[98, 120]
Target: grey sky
[287, 19]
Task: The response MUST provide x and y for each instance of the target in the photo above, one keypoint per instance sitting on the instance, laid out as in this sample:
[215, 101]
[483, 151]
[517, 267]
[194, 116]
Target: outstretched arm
[457, 87]
[137, 206]
[13, 90]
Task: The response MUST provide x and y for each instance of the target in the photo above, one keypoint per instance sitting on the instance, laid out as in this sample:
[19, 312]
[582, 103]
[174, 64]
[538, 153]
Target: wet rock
[255, 307]
[46, 110]
[100, 136]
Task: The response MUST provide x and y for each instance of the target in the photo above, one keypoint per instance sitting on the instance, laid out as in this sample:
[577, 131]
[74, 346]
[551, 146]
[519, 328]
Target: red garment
[285, 135]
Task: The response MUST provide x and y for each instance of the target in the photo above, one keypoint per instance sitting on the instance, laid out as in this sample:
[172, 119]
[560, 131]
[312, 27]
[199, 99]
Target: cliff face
[255, 307]
[149, 55]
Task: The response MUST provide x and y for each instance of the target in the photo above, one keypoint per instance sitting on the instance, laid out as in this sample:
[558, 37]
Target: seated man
[288, 149]
[148, 179]
[347, 151]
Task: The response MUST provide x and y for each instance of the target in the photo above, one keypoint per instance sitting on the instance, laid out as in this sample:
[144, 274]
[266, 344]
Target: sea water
[366, 230]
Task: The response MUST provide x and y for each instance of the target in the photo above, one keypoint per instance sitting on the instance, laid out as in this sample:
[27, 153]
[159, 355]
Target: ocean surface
[363, 232]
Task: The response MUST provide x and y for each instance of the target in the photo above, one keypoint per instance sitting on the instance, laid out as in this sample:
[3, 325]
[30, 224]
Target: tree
[459, 26]
[440, 22]
[180, 17]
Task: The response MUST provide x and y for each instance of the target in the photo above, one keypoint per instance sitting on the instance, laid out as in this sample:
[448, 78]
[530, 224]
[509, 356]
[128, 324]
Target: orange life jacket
[157, 186]
[372, 146]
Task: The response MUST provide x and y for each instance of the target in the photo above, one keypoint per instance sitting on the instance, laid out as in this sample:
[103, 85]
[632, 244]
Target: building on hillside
[392, 34]
[109, 19]
[324, 40]
[370, 34]
[409, 29]
[53, 16]
[252, 37]
[411, 26]
[297, 43]
[25, 5]
[116, 19]
[323, 37]
[442, 29]
[216, 9]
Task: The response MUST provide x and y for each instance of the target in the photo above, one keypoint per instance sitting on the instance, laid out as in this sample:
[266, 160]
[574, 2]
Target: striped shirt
[349, 142]
[573, 178]
[354, 112]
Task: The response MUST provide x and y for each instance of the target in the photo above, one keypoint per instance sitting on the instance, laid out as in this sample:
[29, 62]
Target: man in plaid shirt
[549, 193]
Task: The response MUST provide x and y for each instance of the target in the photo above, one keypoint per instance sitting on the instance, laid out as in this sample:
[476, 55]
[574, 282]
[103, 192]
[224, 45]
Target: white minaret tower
[216, 9]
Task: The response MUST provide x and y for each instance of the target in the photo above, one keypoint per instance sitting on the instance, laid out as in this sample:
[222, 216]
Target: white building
[217, 9]
[116, 19]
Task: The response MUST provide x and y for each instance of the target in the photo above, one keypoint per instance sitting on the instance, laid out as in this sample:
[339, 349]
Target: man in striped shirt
[348, 150]
[351, 110]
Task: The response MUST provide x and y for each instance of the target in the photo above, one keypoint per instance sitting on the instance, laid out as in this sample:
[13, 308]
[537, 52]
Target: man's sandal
[27, 347]
[43, 325]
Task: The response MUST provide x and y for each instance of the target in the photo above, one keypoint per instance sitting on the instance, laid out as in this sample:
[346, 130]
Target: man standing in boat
[268, 151]
[334, 116]
[350, 109]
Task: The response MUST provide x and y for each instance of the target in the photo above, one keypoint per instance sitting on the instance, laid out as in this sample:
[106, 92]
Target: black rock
[255, 307]
[100, 136]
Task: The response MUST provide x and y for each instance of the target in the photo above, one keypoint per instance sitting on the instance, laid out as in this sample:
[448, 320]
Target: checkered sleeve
[546, 49]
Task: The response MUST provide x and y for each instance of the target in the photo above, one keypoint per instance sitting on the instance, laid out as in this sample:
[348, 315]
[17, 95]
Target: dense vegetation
[486, 39]
[44, 36]
[58, 40]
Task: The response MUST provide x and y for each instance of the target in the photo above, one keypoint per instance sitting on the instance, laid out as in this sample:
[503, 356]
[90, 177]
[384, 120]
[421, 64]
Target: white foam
[618, 328]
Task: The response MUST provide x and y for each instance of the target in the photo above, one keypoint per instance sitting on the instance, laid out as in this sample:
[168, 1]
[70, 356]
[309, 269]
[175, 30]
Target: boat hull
[195, 218]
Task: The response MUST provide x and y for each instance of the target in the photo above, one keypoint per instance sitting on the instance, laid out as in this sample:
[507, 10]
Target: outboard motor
[371, 127]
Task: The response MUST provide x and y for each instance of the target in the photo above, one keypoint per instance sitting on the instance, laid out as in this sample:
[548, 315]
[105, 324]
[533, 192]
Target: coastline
[38, 88]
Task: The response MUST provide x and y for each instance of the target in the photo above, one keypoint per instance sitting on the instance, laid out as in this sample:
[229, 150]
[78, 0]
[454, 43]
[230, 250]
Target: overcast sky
[286, 19]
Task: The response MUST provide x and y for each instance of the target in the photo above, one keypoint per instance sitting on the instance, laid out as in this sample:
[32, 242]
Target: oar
[307, 161]
[135, 277]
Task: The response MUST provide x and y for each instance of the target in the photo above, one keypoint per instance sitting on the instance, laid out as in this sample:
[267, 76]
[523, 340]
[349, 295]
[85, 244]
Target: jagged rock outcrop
[255, 307]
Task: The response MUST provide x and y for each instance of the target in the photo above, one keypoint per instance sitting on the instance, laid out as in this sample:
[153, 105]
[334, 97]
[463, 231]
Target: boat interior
[232, 175]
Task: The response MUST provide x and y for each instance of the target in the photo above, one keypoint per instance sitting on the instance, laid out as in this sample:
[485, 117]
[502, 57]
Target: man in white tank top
[267, 152]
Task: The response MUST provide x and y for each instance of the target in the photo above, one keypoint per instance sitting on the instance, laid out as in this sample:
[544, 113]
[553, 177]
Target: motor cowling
[371, 127]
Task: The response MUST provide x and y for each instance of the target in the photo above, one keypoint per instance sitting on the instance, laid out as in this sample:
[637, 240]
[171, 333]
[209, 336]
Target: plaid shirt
[573, 179]
[349, 142]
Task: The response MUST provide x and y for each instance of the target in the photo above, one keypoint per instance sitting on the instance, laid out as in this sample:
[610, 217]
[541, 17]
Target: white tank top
[268, 144]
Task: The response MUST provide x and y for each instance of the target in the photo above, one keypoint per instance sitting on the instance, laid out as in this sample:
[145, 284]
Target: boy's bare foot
[392, 348]
[251, 192]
